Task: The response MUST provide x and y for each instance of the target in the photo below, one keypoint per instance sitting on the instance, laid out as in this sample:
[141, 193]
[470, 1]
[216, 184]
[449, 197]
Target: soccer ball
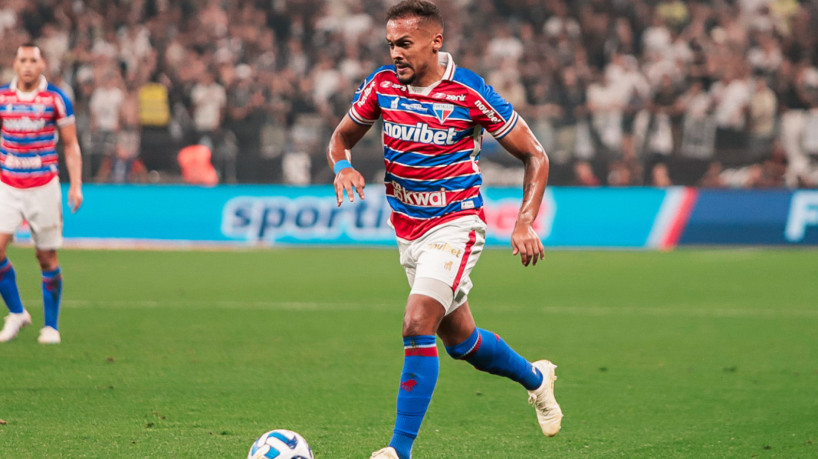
[280, 444]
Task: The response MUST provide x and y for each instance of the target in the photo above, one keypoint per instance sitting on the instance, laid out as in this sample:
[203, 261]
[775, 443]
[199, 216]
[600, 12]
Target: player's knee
[47, 259]
[417, 323]
[422, 316]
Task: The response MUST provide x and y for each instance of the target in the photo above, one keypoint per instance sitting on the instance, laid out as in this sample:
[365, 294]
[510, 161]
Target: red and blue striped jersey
[28, 136]
[431, 142]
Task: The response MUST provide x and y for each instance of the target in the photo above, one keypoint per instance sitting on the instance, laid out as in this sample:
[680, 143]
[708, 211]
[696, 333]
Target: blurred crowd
[720, 93]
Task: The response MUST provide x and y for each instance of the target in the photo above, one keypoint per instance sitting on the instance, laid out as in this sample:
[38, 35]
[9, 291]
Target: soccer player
[433, 115]
[32, 111]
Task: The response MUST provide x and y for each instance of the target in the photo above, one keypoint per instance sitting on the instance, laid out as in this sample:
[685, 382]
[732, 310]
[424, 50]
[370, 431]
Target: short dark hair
[31, 44]
[425, 10]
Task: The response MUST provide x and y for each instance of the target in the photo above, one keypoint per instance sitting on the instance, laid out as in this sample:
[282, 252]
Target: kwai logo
[419, 198]
[420, 133]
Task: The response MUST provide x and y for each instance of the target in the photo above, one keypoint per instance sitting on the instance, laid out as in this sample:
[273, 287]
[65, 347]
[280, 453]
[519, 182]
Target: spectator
[301, 53]
[105, 105]
[209, 101]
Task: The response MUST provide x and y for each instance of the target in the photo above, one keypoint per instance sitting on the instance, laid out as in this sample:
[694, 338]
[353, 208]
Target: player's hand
[526, 242]
[345, 181]
[74, 198]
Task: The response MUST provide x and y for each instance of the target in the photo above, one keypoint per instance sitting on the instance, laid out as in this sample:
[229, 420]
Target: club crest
[442, 111]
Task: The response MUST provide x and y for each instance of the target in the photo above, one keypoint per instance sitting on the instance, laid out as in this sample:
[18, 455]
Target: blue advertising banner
[741, 217]
[272, 215]
[275, 214]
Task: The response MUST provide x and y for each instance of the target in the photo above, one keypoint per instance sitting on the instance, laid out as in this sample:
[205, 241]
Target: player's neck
[30, 87]
[430, 78]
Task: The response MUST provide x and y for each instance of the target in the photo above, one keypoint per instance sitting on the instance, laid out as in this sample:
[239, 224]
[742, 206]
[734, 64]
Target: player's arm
[346, 135]
[73, 162]
[521, 143]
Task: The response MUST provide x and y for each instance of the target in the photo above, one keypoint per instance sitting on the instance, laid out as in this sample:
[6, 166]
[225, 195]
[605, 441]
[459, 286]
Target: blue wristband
[341, 165]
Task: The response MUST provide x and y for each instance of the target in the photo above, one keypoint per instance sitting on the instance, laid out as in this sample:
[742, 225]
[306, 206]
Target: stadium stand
[719, 93]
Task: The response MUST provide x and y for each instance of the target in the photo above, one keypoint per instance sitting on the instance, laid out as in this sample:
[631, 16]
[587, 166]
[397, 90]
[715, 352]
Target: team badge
[442, 111]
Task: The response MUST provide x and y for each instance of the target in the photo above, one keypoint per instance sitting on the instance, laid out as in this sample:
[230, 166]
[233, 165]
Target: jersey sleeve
[63, 108]
[365, 108]
[493, 112]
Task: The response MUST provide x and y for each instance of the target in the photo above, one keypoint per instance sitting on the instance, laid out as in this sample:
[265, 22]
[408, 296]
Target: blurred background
[718, 94]
[667, 122]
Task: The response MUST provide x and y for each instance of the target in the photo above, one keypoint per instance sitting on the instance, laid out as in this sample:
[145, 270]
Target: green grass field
[194, 354]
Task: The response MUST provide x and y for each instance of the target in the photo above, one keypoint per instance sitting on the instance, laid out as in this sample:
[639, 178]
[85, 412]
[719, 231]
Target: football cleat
[386, 453]
[49, 335]
[549, 414]
[14, 322]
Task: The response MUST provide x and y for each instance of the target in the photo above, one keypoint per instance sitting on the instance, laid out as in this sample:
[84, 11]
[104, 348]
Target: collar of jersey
[28, 95]
[443, 58]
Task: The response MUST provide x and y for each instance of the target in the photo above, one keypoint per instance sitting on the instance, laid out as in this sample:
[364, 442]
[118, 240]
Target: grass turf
[194, 354]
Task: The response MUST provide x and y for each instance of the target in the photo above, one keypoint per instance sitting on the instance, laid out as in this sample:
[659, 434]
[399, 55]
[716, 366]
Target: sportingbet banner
[271, 215]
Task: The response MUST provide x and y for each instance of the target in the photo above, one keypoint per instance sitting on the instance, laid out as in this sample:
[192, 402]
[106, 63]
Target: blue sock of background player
[487, 352]
[8, 287]
[417, 382]
[52, 291]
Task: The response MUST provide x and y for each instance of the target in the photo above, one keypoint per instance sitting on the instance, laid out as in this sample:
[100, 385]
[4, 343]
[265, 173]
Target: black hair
[425, 10]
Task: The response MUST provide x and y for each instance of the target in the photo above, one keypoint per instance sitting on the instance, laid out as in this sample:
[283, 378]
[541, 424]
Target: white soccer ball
[280, 444]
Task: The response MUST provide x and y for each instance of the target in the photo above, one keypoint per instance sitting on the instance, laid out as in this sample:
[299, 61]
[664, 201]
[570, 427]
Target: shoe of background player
[49, 335]
[549, 414]
[386, 453]
[14, 322]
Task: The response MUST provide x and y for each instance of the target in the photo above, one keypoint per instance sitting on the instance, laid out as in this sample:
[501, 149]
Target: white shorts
[40, 206]
[446, 254]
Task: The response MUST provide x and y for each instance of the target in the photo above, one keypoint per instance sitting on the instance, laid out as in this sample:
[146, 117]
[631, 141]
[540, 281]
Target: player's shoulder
[384, 72]
[384, 77]
[469, 79]
[54, 89]
[5, 88]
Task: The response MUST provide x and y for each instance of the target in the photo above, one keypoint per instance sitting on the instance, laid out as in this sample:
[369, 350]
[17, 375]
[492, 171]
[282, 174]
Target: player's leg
[424, 311]
[8, 278]
[10, 219]
[51, 285]
[420, 370]
[44, 208]
[485, 350]
[18, 317]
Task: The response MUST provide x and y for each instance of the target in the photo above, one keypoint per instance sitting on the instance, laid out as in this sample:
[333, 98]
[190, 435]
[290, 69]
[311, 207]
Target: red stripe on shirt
[433, 173]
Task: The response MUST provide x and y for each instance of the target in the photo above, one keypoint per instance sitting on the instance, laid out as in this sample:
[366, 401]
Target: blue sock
[8, 287]
[488, 352]
[417, 383]
[52, 291]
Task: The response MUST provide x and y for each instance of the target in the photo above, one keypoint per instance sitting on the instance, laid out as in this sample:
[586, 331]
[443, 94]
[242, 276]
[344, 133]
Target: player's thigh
[43, 210]
[408, 259]
[11, 209]
[450, 253]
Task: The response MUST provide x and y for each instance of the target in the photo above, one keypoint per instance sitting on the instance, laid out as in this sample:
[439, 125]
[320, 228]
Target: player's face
[413, 46]
[28, 65]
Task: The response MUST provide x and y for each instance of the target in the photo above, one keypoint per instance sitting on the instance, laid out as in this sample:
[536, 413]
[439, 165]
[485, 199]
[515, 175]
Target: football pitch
[690, 353]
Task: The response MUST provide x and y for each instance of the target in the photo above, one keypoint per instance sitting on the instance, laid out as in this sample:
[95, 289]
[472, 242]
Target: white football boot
[549, 414]
[49, 335]
[386, 453]
[14, 322]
